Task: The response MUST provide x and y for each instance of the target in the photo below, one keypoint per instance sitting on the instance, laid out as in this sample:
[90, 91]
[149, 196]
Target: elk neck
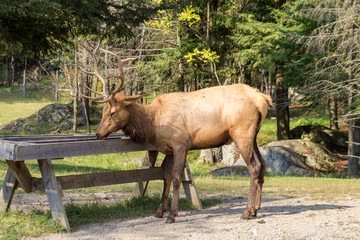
[140, 125]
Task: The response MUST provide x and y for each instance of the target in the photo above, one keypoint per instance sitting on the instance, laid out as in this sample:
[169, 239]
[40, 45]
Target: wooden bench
[45, 148]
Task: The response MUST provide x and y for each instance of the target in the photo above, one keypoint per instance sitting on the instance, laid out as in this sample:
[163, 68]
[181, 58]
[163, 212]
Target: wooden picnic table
[45, 148]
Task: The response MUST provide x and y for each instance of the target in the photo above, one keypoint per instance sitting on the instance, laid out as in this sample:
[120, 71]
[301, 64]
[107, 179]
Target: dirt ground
[281, 218]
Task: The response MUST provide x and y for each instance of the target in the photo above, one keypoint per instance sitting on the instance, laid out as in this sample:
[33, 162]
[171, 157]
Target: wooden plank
[22, 174]
[69, 149]
[7, 192]
[190, 189]
[26, 138]
[6, 150]
[48, 146]
[44, 138]
[53, 193]
[103, 179]
[149, 161]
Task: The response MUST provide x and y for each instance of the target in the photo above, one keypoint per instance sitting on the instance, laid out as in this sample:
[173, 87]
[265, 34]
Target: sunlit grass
[13, 105]
[267, 132]
[16, 224]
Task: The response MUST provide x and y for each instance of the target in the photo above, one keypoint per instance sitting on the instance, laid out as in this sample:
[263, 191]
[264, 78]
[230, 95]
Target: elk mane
[139, 128]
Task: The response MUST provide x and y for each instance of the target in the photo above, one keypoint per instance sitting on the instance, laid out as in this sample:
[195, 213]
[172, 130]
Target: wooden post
[8, 189]
[149, 161]
[53, 192]
[190, 189]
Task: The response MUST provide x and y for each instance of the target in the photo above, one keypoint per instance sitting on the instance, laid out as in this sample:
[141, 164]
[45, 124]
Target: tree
[336, 43]
[40, 26]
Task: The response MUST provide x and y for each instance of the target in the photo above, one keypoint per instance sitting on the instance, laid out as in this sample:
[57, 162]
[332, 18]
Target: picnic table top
[19, 148]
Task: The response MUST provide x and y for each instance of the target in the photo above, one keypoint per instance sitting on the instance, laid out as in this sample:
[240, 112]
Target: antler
[106, 95]
[120, 67]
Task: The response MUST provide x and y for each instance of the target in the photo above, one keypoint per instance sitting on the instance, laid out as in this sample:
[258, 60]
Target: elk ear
[131, 99]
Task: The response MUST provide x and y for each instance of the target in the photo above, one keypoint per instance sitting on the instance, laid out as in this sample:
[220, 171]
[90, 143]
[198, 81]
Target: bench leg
[8, 189]
[190, 189]
[53, 192]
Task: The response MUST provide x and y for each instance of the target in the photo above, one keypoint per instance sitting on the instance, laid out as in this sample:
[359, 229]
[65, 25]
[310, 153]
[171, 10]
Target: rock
[305, 154]
[331, 139]
[294, 157]
[279, 160]
[53, 116]
[230, 156]
[231, 171]
[101, 195]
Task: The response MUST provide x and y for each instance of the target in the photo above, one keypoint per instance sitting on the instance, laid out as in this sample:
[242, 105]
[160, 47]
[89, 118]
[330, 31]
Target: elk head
[115, 114]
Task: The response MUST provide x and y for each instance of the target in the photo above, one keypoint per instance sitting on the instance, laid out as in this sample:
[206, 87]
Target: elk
[178, 122]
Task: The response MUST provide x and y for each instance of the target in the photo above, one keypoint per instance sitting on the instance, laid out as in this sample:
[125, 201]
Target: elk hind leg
[167, 167]
[260, 160]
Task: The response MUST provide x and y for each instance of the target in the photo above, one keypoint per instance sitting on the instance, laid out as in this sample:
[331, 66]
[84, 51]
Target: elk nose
[98, 136]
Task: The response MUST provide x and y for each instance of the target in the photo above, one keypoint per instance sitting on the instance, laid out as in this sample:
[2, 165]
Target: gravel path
[295, 218]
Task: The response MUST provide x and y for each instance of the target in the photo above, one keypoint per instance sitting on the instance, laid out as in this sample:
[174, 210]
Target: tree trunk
[262, 83]
[247, 76]
[354, 128]
[282, 109]
[354, 148]
[180, 80]
[353, 143]
[7, 73]
[333, 113]
[85, 120]
[13, 70]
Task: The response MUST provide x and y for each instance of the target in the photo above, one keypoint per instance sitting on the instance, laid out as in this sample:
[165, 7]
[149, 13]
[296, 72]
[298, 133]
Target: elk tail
[268, 100]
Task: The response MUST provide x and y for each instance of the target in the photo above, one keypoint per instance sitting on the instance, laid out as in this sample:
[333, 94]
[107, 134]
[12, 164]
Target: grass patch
[267, 132]
[16, 224]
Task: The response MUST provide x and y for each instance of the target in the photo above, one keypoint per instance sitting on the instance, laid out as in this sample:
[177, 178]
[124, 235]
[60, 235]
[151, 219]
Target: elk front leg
[167, 167]
[178, 171]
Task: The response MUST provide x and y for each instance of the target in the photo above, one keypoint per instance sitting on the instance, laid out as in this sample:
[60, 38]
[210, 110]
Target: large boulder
[295, 157]
[334, 141]
[46, 119]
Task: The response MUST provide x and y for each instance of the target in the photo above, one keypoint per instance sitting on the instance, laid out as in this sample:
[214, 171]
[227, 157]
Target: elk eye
[112, 114]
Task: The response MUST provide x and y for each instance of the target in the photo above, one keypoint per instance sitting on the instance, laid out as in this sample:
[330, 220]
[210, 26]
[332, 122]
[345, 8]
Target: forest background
[305, 51]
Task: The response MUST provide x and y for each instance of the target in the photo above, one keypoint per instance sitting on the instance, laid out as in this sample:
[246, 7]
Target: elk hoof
[248, 214]
[159, 215]
[170, 220]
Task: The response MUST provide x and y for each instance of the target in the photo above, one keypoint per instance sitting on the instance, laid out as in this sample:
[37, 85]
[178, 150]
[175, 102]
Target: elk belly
[210, 139]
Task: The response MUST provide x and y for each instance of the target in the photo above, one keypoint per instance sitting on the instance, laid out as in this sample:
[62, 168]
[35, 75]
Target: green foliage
[204, 56]
[310, 121]
[190, 15]
[38, 26]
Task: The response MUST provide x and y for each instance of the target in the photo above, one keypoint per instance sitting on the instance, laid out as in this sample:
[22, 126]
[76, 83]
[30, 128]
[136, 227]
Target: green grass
[267, 132]
[16, 224]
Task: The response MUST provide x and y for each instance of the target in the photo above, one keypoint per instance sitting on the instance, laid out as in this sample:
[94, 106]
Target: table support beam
[22, 174]
[149, 161]
[8, 189]
[189, 188]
